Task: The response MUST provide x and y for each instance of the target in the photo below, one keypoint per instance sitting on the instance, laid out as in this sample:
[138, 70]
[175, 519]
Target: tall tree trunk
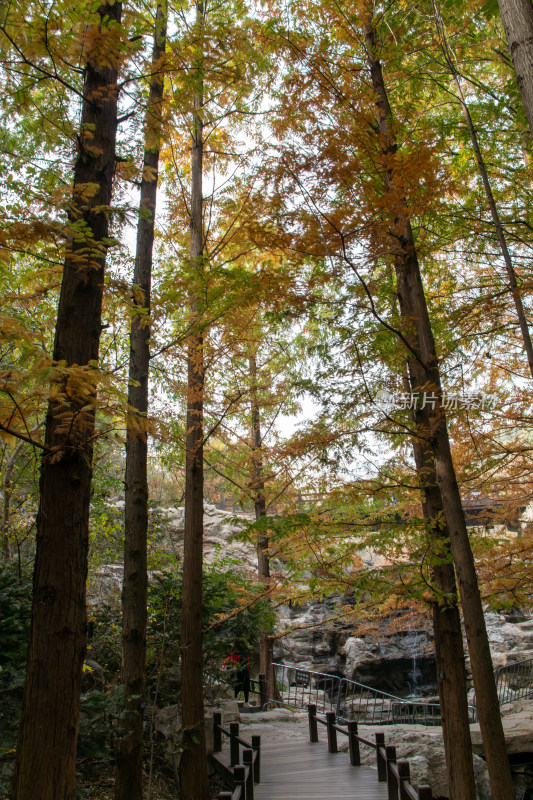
[424, 376]
[46, 751]
[193, 767]
[495, 216]
[448, 637]
[517, 18]
[129, 755]
[266, 644]
[449, 654]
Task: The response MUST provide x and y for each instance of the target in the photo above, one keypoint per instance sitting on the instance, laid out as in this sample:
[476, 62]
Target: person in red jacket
[240, 676]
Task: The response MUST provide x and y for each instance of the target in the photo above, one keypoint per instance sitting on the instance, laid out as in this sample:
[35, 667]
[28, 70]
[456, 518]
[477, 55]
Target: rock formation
[397, 661]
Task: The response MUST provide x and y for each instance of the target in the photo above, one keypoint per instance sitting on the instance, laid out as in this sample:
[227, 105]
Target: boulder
[168, 721]
[517, 725]
[357, 651]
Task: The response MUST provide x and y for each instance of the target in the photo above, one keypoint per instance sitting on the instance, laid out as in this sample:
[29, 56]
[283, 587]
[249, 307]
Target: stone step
[248, 708]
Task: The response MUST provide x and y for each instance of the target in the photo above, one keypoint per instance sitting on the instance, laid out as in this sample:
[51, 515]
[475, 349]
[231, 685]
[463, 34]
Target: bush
[233, 618]
[15, 616]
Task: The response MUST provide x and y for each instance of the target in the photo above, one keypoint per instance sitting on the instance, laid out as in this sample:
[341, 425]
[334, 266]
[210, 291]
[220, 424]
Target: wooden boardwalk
[299, 770]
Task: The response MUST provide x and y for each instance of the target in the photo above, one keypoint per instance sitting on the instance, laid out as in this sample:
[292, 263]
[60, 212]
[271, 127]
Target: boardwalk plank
[300, 770]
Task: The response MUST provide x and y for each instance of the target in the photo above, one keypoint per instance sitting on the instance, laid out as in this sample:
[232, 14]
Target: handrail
[241, 776]
[237, 738]
[299, 687]
[350, 699]
[514, 681]
[396, 774]
[376, 707]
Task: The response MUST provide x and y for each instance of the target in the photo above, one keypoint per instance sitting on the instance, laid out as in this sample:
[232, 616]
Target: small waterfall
[414, 678]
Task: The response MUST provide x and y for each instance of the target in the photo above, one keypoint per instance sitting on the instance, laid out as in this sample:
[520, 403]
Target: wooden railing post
[332, 733]
[217, 733]
[256, 745]
[248, 761]
[382, 764]
[392, 782]
[313, 727]
[353, 741]
[263, 690]
[404, 776]
[425, 793]
[234, 743]
[239, 778]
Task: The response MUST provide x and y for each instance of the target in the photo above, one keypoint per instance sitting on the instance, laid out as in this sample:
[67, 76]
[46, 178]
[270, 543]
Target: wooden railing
[395, 774]
[239, 776]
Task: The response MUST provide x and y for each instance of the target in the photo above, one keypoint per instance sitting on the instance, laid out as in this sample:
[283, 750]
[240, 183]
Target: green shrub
[15, 616]
[226, 591]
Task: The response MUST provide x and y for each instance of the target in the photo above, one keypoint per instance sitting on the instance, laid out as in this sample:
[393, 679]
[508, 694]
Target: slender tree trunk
[424, 377]
[129, 755]
[6, 509]
[193, 767]
[517, 18]
[46, 751]
[495, 216]
[448, 637]
[6, 549]
[266, 644]
[449, 654]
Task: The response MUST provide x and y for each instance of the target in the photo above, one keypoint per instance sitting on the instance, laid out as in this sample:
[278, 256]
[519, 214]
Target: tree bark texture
[449, 653]
[193, 767]
[46, 751]
[424, 376]
[517, 18]
[129, 753]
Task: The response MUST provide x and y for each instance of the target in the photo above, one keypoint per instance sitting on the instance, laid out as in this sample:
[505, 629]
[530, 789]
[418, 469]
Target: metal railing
[352, 700]
[373, 707]
[514, 681]
[300, 687]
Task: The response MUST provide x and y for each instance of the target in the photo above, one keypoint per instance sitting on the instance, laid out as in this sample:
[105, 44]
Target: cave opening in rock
[402, 677]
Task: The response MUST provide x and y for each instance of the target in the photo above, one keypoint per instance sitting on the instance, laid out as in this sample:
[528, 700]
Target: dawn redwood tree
[213, 92]
[424, 375]
[266, 646]
[129, 756]
[193, 765]
[517, 18]
[46, 751]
